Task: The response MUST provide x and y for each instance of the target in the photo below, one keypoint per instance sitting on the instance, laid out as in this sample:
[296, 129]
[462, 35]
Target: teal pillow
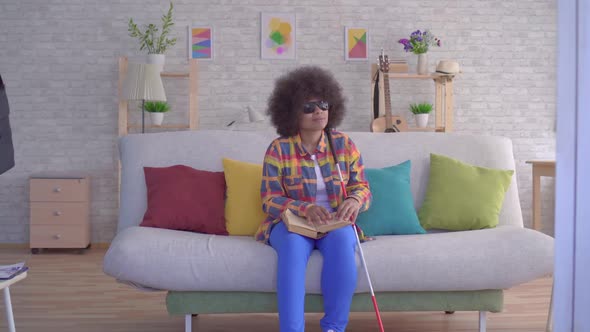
[461, 196]
[392, 210]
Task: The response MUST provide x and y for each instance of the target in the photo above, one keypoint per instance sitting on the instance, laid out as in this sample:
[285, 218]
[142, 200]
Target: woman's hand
[348, 210]
[316, 214]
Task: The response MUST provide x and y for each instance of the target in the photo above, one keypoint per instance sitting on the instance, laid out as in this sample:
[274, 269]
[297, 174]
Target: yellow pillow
[243, 205]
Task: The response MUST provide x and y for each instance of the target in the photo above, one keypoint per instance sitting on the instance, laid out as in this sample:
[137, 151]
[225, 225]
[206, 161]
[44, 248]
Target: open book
[300, 225]
[8, 272]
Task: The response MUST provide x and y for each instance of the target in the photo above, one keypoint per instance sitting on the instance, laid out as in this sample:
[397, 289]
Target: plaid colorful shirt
[289, 178]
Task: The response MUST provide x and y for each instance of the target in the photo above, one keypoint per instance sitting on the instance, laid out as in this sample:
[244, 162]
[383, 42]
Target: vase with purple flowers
[419, 43]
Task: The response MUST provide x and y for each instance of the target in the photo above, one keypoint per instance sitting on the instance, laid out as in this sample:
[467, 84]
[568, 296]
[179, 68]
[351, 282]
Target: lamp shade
[254, 116]
[143, 82]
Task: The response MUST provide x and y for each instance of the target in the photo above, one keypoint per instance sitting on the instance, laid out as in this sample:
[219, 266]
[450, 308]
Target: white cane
[358, 241]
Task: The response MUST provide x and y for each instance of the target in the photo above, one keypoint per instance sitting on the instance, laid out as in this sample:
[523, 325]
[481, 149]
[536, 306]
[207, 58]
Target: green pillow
[392, 209]
[462, 196]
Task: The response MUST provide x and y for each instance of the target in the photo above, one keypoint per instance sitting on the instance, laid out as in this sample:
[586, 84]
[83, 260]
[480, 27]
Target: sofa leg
[482, 321]
[449, 312]
[188, 322]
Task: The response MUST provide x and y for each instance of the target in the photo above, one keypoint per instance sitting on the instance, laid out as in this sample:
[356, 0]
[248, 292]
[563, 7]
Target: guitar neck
[388, 121]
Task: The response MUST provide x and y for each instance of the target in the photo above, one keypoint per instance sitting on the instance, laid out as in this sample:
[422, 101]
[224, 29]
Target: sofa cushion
[496, 258]
[461, 196]
[204, 149]
[243, 208]
[183, 198]
[392, 210]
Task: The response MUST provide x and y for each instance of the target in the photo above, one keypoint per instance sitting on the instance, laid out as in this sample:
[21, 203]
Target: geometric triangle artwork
[201, 46]
[357, 47]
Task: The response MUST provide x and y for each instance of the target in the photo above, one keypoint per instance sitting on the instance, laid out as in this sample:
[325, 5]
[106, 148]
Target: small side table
[60, 212]
[4, 285]
[540, 168]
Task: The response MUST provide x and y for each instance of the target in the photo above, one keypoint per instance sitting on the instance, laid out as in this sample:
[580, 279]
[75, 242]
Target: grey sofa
[438, 271]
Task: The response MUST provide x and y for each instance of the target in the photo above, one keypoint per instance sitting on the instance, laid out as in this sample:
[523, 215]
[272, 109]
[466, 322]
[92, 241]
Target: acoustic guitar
[387, 123]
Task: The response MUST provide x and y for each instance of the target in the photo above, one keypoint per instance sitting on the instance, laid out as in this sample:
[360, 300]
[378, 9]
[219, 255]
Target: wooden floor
[68, 292]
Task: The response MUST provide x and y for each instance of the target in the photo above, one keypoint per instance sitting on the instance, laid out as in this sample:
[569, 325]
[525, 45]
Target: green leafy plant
[156, 107]
[149, 39]
[423, 108]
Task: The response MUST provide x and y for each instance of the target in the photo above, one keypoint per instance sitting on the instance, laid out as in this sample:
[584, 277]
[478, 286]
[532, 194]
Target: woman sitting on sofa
[303, 104]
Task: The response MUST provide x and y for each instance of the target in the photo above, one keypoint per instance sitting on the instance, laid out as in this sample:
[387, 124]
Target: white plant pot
[421, 120]
[157, 59]
[157, 118]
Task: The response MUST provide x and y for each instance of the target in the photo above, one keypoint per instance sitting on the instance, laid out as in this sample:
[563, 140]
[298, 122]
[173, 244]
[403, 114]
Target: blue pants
[339, 276]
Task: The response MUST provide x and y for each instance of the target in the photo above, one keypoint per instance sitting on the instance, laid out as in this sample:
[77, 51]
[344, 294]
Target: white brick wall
[59, 62]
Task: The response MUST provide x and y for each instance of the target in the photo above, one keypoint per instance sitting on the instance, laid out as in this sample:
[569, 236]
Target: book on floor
[300, 225]
[8, 272]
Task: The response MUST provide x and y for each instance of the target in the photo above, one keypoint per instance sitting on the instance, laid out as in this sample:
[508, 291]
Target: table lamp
[6, 147]
[143, 82]
[253, 117]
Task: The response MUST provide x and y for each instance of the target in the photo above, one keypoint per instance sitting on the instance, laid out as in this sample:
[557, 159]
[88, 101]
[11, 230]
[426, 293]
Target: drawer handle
[57, 213]
[57, 189]
[57, 236]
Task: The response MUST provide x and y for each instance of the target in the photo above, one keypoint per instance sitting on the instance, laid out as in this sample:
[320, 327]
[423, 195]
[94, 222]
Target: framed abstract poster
[200, 42]
[277, 36]
[356, 40]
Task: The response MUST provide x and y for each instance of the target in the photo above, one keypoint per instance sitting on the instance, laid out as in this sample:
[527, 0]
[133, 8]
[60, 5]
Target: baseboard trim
[14, 245]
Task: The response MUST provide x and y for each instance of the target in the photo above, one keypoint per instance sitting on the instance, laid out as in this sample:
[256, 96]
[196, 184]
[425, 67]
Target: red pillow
[186, 199]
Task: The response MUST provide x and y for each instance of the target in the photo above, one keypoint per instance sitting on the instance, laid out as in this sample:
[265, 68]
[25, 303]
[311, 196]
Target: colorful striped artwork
[200, 44]
[357, 46]
[277, 36]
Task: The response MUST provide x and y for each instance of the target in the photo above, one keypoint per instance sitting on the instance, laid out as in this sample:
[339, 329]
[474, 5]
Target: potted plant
[418, 44]
[421, 112]
[155, 44]
[156, 110]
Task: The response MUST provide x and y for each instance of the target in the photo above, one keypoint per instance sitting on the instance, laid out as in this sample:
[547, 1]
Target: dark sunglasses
[309, 107]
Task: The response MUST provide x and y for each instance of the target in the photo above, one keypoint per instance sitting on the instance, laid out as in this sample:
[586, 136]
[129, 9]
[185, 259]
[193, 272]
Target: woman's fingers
[313, 217]
[339, 211]
[354, 215]
[348, 210]
[319, 215]
[348, 213]
[310, 215]
[343, 211]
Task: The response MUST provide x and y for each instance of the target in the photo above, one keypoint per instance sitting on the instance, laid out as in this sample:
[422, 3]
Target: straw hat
[448, 67]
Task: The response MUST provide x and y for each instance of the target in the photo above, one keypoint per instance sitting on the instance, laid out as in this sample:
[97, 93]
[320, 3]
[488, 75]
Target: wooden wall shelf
[193, 113]
[443, 104]
[437, 129]
[169, 126]
[172, 74]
